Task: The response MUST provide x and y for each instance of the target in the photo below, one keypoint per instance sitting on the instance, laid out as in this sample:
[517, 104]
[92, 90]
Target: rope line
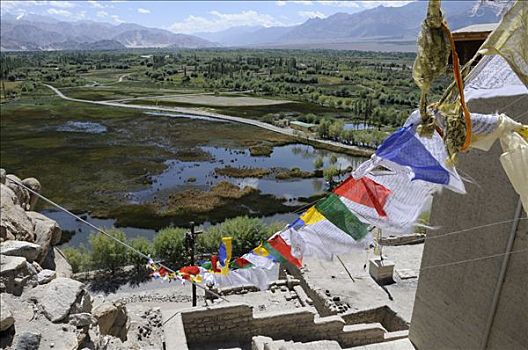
[108, 235]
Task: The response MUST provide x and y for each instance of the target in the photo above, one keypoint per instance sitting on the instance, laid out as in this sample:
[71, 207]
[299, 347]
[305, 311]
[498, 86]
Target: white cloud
[102, 14]
[350, 4]
[63, 13]
[143, 11]
[311, 14]
[220, 21]
[365, 4]
[61, 4]
[116, 19]
[284, 2]
[18, 6]
[97, 4]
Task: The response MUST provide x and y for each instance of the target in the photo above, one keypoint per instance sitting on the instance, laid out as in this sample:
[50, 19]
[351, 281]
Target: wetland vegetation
[146, 169]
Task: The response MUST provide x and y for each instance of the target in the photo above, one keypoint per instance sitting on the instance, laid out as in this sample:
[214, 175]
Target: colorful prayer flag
[280, 248]
[260, 257]
[314, 234]
[225, 253]
[421, 158]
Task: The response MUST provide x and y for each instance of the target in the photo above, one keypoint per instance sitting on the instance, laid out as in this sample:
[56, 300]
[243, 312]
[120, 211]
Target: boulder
[14, 223]
[60, 297]
[33, 184]
[2, 176]
[6, 317]
[47, 233]
[82, 319]
[28, 341]
[28, 250]
[16, 273]
[21, 193]
[46, 276]
[112, 320]
[55, 260]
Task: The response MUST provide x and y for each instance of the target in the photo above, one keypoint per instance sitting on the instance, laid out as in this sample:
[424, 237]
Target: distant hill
[32, 32]
[397, 25]
[380, 23]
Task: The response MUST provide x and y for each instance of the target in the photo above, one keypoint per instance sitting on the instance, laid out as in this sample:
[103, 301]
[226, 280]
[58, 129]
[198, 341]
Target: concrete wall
[236, 322]
[453, 303]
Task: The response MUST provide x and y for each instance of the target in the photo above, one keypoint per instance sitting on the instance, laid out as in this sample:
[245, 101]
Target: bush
[169, 245]
[247, 233]
[318, 163]
[78, 258]
[107, 253]
[144, 246]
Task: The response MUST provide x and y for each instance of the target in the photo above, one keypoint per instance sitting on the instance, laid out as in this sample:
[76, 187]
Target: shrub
[144, 246]
[318, 163]
[247, 233]
[169, 245]
[79, 258]
[107, 253]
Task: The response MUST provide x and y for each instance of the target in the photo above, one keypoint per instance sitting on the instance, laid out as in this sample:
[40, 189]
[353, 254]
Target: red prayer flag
[365, 191]
[284, 249]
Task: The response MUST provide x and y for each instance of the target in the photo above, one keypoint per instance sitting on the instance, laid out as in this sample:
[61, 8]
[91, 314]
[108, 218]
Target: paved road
[198, 112]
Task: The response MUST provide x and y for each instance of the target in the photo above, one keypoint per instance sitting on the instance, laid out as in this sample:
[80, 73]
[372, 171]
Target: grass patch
[260, 150]
[223, 201]
[296, 173]
[193, 154]
[242, 172]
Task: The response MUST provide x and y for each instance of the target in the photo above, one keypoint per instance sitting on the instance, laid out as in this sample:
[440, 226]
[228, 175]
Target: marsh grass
[242, 172]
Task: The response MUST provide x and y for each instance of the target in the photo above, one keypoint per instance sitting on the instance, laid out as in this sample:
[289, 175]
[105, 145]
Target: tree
[78, 258]
[329, 174]
[169, 245]
[323, 128]
[108, 254]
[335, 129]
[144, 246]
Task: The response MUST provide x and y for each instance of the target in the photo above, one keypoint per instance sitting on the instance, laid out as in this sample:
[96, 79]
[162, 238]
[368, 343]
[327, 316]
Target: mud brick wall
[237, 322]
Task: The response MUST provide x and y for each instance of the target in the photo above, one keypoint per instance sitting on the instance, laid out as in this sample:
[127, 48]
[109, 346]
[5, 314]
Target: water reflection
[181, 175]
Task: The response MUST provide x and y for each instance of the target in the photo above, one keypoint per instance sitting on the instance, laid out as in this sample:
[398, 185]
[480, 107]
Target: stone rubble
[41, 307]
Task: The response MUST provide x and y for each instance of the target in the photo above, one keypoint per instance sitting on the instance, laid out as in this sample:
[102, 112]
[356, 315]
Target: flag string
[108, 235]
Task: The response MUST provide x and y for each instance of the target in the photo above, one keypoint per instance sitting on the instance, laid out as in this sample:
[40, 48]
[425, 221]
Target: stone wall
[455, 302]
[231, 322]
[384, 315]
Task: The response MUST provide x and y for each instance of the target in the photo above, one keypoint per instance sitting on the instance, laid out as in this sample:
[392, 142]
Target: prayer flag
[225, 253]
[421, 158]
[280, 248]
[260, 257]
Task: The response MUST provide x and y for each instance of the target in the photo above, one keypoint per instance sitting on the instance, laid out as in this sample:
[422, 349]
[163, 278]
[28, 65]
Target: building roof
[477, 28]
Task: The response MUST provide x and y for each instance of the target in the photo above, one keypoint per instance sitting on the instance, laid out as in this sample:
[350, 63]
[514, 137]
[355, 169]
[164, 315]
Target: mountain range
[380, 24]
[34, 32]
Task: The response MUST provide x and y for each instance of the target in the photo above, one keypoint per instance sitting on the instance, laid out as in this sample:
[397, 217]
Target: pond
[202, 174]
[145, 171]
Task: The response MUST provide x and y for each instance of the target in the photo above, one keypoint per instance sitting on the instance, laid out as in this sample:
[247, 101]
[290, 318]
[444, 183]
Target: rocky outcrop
[24, 249]
[6, 316]
[112, 319]
[60, 298]
[14, 223]
[41, 307]
[16, 274]
[46, 276]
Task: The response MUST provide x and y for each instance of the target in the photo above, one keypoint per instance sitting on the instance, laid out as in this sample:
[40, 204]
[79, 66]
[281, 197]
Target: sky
[191, 16]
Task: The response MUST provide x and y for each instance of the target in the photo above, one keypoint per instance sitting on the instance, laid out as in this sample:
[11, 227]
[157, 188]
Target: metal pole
[191, 250]
[502, 275]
